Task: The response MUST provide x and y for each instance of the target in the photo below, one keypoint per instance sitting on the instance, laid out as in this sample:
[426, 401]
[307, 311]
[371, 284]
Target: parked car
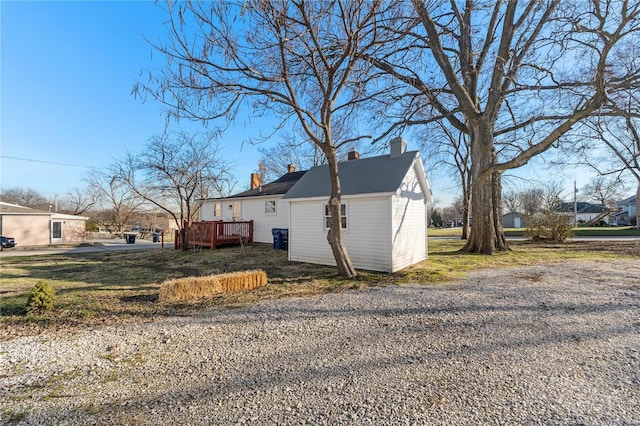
[7, 242]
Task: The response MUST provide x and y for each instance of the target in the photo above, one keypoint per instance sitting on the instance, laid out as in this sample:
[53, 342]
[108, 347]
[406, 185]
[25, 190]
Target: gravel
[554, 344]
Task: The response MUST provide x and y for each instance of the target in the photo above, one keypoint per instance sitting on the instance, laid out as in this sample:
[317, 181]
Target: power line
[45, 162]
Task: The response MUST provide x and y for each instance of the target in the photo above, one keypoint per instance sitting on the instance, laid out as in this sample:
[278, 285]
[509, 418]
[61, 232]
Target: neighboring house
[261, 203]
[587, 212]
[513, 220]
[384, 211]
[31, 227]
[627, 211]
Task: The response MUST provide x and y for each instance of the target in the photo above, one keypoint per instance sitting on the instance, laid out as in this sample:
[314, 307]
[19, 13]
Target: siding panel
[252, 209]
[409, 231]
[366, 239]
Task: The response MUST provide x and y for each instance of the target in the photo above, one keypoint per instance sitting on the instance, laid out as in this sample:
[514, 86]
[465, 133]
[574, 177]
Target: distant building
[31, 227]
[513, 220]
[626, 214]
[587, 213]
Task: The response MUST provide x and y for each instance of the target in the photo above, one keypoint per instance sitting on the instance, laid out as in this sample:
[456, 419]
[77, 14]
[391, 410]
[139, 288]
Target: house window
[217, 209]
[236, 211]
[343, 216]
[270, 207]
[56, 230]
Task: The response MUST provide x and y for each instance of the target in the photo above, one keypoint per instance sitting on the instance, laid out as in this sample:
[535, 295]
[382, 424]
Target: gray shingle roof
[363, 176]
[277, 187]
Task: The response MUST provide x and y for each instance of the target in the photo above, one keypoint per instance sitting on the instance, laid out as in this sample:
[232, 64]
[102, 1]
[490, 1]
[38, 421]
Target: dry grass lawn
[94, 289]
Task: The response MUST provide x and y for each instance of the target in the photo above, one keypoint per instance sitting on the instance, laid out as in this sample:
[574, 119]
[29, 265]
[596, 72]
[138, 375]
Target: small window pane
[270, 207]
[343, 216]
[57, 230]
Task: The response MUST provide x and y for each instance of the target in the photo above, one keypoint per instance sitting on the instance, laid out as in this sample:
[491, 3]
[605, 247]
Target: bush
[548, 225]
[41, 298]
[193, 288]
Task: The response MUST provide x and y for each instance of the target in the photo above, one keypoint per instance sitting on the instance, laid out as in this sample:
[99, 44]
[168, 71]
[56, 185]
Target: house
[513, 220]
[31, 227]
[261, 203]
[587, 213]
[384, 211]
[627, 211]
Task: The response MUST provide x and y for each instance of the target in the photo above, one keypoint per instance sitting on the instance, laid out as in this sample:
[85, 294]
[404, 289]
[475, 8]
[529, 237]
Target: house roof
[383, 174]
[582, 206]
[629, 200]
[15, 209]
[277, 187]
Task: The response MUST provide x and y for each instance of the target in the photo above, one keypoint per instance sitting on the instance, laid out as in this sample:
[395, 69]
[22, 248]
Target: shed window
[270, 207]
[343, 216]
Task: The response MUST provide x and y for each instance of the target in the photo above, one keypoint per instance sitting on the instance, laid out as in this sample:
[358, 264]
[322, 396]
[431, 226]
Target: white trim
[325, 198]
[346, 215]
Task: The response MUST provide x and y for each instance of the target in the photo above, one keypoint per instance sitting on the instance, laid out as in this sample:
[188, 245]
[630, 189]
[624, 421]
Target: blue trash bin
[130, 238]
[156, 237]
[277, 238]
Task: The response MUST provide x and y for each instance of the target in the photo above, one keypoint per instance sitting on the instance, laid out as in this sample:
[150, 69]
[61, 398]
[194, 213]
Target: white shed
[261, 203]
[384, 211]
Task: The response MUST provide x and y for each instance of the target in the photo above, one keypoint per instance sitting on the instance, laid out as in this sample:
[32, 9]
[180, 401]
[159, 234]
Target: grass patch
[603, 231]
[94, 289]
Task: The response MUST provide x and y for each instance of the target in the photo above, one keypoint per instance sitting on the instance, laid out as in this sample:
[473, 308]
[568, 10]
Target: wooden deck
[217, 233]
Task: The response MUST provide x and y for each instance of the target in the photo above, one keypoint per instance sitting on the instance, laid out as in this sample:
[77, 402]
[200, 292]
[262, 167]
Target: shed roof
[382, 174]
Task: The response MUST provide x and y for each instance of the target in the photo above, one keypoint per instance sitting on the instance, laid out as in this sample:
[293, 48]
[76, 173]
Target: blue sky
[67, 71]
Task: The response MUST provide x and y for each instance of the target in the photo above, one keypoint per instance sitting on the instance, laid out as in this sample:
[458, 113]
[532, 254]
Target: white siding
[366, 237]
[252, 208]
[207, 211]
[409, 232]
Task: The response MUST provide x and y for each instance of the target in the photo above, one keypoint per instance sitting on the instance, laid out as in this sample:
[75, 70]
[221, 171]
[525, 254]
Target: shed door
[56, 231]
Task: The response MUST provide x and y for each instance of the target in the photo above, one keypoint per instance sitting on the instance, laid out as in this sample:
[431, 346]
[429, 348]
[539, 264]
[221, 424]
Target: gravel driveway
[553, 344]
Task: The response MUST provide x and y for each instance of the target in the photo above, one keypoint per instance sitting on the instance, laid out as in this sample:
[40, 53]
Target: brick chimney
[291, 168]
[353, 155]
[398, 146]
[255, 180]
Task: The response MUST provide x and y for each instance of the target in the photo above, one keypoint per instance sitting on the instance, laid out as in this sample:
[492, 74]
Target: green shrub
[548, 225]
[41, 298]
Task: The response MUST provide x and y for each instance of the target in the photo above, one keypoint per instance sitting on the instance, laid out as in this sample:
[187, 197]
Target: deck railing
[216, 233]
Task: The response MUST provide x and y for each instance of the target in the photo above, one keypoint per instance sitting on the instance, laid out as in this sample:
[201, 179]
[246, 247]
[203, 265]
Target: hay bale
[194, 288]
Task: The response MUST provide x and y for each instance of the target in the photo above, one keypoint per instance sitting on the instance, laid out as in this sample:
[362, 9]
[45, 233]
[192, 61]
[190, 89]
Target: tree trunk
[638, 207]
[334, 236]
[486, 237]
[501, 242]
[466, 203]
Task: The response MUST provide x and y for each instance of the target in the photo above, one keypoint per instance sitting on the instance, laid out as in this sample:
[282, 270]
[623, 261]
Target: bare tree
[604, 191]
[79, 201]
[177, 173]
[516, 77]
[616, 140]
[275, 159]
[293, 60]
[26, 197]
[511, 201]
[116, 203]
[447, 148]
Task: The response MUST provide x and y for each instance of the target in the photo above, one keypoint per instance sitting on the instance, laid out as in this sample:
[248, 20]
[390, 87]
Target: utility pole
[575, 205]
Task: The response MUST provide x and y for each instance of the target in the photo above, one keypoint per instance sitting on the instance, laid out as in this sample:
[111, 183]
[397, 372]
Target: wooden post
[251, 231]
